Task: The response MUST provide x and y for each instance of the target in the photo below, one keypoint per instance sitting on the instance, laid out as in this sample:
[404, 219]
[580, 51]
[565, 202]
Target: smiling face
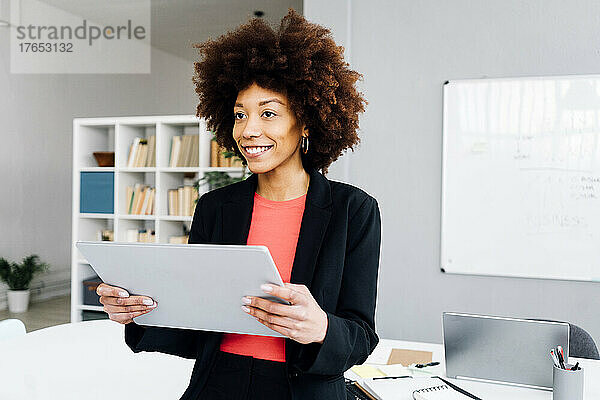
[266, 130]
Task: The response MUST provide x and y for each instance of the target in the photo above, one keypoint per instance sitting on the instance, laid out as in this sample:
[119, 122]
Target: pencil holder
[566, 384]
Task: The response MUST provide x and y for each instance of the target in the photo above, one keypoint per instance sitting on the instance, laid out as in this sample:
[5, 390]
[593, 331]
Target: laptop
[502, 350]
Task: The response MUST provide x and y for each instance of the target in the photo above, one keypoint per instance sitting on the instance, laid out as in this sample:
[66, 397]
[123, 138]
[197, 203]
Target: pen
[575, 367]
[554, 359]
[392, 377]
[458, 389]
[431, 364]
[562, 353]
[561, 361]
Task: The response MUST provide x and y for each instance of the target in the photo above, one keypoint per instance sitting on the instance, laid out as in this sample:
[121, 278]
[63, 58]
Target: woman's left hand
[303, 320]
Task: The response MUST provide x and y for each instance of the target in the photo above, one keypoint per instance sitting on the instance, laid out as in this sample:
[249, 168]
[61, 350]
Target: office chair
[10, 328]
[581, 344]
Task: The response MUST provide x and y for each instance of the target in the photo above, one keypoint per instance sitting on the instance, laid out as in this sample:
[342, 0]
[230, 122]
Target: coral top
[275, 224]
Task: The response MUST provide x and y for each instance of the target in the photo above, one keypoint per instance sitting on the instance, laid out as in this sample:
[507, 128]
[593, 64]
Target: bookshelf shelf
[223, 169]
[175, 218]
[97, 169]
[117, 134]
[146, 169]
[181, 169]
[134, 216]
[96, 215]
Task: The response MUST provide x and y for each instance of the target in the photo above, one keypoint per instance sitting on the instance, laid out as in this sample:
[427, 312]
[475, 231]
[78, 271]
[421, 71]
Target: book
[195, 151]
[128, 198]
[175, 149]
[144, 205]
[189, 146]
[146, 237]
[180, 206]
[151, 159]
[178, 239]
[172, 194]
[195, 196]
[140, 202]
[137, 196]
[182, 151]
[223, 162]
[143, 154]
[139, 154]
[133, 152]
[214, 154]
[187, 199]
[150, 208]
[132, 202]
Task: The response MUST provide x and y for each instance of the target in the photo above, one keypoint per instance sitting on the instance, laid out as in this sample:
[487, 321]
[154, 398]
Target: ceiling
[177, 24]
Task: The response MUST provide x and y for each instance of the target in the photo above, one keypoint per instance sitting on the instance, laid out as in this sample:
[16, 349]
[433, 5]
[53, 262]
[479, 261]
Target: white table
[89, 360]
[488, 391]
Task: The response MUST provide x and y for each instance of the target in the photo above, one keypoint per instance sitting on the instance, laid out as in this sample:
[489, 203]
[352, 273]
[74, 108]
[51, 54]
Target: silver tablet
[503, 350]
[196, 286]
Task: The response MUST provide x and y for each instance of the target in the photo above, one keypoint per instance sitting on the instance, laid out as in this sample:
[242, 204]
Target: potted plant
[18, 278]
[217, 179]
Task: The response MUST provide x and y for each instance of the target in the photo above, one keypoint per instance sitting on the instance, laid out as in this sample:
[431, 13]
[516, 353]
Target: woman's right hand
[121, 307]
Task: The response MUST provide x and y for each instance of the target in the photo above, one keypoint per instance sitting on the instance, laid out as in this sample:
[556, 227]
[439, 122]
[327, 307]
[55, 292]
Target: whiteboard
[521, 177]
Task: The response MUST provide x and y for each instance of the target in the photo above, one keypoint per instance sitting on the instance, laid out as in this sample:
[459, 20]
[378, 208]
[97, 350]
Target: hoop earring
[304, 144]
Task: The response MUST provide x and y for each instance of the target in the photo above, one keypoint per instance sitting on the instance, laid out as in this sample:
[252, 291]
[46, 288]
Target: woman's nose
[252, 129]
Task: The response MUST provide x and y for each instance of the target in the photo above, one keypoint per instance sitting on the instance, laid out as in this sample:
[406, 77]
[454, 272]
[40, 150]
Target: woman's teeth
[256, 150]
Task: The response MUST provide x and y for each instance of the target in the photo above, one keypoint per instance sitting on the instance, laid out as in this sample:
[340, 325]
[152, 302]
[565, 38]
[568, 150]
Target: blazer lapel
[317, 212]
[237, 213]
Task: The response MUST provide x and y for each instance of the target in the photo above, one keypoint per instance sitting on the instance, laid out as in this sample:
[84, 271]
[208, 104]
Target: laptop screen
[506, 350]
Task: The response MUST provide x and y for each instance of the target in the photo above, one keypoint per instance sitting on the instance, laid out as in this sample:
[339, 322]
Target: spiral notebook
[409, 388]
[441, 392]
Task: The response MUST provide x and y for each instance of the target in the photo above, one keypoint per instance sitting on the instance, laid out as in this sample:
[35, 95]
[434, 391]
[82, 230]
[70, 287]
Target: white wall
[36, 114]
[406, 50]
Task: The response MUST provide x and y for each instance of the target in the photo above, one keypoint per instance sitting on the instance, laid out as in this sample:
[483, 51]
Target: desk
[489, 391]
[85, 360]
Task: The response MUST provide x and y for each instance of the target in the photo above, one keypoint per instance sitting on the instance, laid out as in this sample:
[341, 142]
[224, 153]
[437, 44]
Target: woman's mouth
[255, 151]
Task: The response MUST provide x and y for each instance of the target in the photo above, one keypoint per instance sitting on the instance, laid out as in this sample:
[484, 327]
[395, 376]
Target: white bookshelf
[117, 134]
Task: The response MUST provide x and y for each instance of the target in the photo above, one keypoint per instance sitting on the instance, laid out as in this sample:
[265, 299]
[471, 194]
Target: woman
[285, 102]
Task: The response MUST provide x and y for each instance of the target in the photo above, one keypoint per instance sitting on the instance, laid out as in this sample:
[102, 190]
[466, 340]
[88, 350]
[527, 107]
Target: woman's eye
[269, 114]
[238, 115]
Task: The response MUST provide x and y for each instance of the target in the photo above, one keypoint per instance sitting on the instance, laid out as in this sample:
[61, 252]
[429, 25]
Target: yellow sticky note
[394, 370]
[367, 371]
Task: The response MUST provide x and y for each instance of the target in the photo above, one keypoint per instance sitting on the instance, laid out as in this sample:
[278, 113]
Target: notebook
[441, 392]
[407, 388]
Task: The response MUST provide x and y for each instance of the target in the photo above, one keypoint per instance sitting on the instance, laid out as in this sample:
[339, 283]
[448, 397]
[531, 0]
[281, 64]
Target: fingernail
[266, 288]
[246, 300]
[123, 294]
[153, 305]
[246, 309]
[148, 302]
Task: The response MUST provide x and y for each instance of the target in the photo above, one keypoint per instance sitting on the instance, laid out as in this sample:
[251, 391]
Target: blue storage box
[97, 191]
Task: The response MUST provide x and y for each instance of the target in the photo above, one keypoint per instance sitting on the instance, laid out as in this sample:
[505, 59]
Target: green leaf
[19, 276]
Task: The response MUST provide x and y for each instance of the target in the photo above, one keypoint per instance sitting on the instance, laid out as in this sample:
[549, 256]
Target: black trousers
[235, 377]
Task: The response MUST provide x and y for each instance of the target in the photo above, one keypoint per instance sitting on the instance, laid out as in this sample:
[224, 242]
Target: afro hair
[300, 60]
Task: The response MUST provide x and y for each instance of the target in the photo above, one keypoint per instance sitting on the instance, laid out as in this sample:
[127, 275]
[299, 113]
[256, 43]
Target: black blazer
[337, 258]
